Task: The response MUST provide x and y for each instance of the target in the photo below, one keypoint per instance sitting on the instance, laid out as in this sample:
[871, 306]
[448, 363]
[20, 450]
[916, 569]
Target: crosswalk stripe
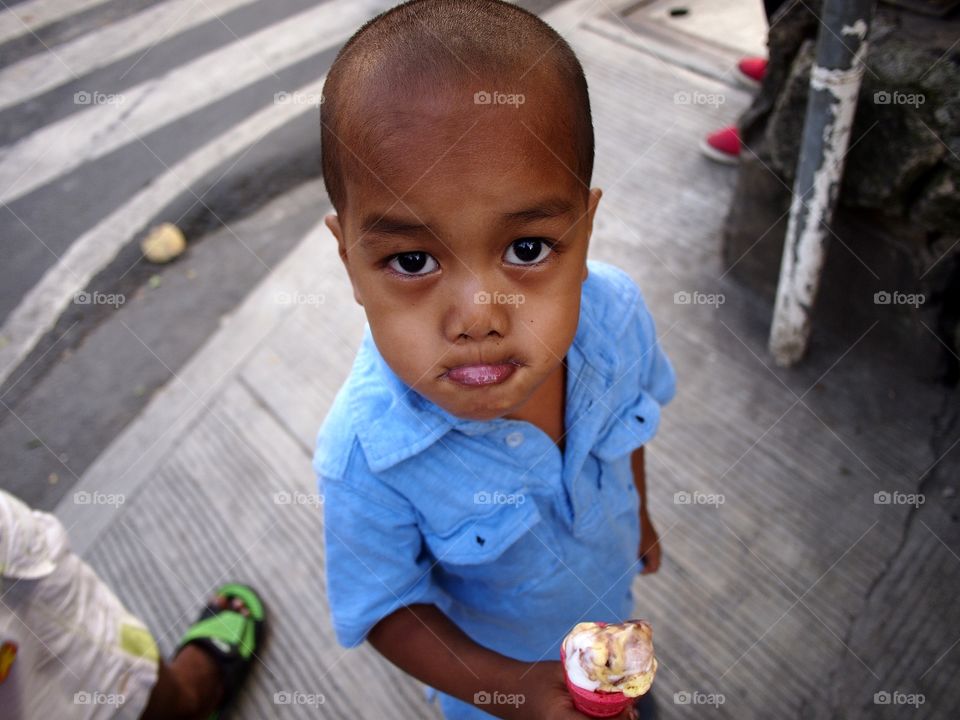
[93, 250]
[38, 73]
[113, 121]
[29, 16]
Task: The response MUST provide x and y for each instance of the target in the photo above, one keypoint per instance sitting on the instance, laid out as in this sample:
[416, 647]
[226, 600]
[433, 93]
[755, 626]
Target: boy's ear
[593, 202]
[332, 221]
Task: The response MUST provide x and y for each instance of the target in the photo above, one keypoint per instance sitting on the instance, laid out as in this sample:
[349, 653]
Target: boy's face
[449, 272]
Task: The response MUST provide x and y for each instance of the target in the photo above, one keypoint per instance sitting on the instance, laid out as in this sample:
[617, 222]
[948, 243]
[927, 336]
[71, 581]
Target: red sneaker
[723, 145]
[752, 71]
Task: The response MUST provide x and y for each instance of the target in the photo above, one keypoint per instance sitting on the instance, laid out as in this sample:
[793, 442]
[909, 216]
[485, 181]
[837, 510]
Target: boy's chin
[475, 414]
[473, 411]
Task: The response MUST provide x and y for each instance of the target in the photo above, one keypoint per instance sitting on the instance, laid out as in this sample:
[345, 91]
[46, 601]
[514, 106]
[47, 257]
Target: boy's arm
[422, 641]
[649, 540]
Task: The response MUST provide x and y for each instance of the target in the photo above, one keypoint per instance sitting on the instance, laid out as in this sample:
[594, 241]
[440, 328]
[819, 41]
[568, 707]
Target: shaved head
[417, 62]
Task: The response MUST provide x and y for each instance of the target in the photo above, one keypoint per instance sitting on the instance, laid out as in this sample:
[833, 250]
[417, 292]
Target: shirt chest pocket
[500, 545]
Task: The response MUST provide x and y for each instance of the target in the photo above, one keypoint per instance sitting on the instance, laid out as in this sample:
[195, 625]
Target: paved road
[116, 115]
[68, 158]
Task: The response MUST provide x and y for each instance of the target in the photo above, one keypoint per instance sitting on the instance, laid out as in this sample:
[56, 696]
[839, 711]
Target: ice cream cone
[591, 702]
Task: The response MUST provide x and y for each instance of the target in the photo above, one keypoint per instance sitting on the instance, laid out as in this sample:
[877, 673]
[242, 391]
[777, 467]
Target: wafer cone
[592, 702]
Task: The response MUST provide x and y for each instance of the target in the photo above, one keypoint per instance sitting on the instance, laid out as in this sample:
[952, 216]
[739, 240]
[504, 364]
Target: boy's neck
[546, 408]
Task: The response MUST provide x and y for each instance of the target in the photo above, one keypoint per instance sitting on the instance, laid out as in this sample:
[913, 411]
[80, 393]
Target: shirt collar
[394, 422]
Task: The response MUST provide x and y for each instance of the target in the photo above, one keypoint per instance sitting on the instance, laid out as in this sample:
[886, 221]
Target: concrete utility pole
[834, 88]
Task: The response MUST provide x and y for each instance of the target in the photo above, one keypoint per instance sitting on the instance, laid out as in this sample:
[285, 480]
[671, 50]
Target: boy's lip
[478, 374]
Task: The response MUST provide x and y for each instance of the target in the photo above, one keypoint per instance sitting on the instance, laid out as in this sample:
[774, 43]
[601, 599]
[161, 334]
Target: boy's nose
[477, 313]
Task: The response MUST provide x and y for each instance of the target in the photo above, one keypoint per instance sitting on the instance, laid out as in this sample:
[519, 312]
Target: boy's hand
[649, 545]
[421, 640]
[545, 697]
[649, 550]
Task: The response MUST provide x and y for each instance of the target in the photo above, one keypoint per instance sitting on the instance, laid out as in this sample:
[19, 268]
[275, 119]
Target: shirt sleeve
[659, 378]
[376, 559]
[644, 379]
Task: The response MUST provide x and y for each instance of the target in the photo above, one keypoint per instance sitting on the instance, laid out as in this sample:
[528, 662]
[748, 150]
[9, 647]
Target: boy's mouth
[482, 373]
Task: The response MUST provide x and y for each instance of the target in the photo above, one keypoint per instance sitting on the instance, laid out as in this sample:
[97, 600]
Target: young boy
[482, 466]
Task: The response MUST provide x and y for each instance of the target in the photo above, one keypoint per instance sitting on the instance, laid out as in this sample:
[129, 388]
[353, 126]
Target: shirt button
[514, 439]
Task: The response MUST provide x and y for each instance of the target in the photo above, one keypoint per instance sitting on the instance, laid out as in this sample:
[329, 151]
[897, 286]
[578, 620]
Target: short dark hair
[438, 41]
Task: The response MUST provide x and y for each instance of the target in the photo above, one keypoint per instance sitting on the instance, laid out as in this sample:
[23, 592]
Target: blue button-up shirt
[513, 539]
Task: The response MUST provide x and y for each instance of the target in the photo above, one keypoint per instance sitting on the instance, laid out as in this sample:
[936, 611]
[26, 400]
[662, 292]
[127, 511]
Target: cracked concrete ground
[905, 639]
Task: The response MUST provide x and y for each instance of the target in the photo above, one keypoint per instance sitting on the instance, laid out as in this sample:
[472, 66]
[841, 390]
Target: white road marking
[46, 300]
[29, 16]
[131, 37]
[113, 121]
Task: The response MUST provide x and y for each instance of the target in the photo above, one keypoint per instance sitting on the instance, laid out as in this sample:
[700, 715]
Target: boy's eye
[528, 251]
[413, 263]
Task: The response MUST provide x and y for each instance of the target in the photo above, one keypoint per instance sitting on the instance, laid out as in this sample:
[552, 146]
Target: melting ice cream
[611, 657]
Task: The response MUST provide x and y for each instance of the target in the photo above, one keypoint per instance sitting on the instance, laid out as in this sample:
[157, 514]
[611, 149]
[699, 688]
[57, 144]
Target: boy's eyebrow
[543, 210]
[385, 225]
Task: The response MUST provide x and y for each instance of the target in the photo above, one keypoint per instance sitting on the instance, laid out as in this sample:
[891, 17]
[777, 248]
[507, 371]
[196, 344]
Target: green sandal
[229, 638]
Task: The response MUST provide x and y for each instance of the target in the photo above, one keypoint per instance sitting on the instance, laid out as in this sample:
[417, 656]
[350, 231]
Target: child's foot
[198, 682]
[216, 653]
[751, 71]
[723, 146]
